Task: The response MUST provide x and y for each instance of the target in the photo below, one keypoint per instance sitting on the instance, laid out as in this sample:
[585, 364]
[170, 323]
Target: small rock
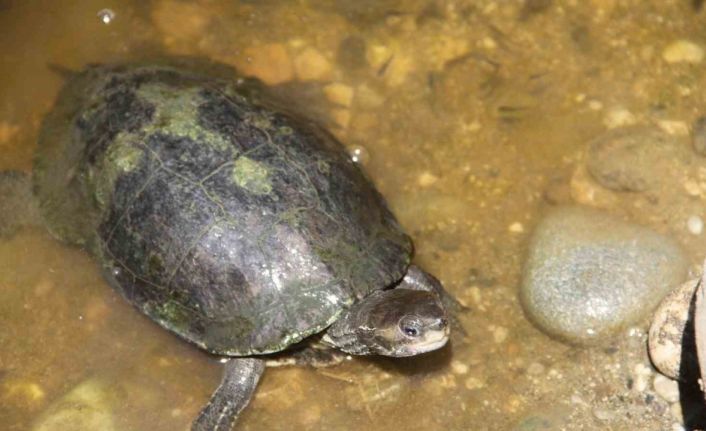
[26, 392]
[378, 56]
[595, 105]
[692, 188]
[641, 377]
[695, 224]
[683, 51]
[500, 334]
[665, 388]
[426, 179]
[588, 274]
[473, 383]
[603, 414]
[270, 63]
[584, 189]
[667, 330]
[619, 117]
[311, 65]
[516, 228]
[631, 159]
[698, 136]
[459, 367]
[340, 94]
[674, 127]
[535, 368]
[489, 43]
[86, 407]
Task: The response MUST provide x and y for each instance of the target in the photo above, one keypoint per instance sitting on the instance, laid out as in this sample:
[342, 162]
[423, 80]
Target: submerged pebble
[683, 51]
[86, 407]
[641, 377]
[619, 117]
[340, 94]
[630, 159]
[270, 63]
[589, 274]
[311, 65]
[23, 391]
[665, 388]
[427, 179]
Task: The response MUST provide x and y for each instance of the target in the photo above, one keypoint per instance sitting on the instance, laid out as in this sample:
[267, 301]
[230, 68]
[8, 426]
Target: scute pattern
[237, 270]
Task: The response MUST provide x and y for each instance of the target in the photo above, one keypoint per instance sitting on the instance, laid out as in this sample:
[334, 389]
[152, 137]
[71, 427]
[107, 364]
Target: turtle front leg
[240, 377]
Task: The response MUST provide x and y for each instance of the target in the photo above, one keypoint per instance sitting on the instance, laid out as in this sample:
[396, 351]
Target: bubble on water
[359, 154]
[106, 16]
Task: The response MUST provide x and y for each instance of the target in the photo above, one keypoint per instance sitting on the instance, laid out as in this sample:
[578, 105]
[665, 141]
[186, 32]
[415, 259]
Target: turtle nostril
[443, 323]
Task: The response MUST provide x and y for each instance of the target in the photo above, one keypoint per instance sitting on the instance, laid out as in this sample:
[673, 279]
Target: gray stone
[85, 407]
[589, 274]
[632, 158]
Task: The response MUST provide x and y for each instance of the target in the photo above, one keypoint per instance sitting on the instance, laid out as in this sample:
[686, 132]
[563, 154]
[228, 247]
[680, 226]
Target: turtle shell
[239, 228]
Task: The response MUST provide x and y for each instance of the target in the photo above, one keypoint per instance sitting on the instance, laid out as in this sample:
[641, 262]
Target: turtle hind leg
[18, 208]
[240, 378]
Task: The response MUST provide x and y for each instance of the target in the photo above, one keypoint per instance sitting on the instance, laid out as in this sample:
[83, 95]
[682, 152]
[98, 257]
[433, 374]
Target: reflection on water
[470, 117]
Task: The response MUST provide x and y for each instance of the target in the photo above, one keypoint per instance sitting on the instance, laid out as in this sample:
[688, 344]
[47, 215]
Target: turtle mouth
[432, 341]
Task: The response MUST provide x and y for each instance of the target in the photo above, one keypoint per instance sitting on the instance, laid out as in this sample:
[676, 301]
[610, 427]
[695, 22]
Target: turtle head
[396, 322]
[406, 323]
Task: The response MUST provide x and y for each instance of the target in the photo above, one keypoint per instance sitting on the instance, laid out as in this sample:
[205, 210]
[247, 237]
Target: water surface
[472, 116]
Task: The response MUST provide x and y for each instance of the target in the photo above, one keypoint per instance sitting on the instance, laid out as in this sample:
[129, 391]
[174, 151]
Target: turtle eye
[410, 331]
[410, 327]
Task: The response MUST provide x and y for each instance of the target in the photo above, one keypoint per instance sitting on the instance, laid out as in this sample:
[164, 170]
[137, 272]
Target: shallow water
[473, 115]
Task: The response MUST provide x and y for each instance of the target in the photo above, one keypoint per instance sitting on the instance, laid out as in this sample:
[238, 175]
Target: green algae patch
[177, 114]
[174, 315]
[120, 158]
[252, 176]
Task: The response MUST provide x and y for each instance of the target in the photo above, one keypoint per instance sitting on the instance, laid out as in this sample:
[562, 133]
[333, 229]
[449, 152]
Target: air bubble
[359, 154]
[106, 16]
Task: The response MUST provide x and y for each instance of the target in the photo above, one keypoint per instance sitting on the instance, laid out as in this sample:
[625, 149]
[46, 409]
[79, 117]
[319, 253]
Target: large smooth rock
[589, 274]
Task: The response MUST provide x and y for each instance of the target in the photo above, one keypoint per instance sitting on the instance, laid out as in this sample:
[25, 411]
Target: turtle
[228, 219]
